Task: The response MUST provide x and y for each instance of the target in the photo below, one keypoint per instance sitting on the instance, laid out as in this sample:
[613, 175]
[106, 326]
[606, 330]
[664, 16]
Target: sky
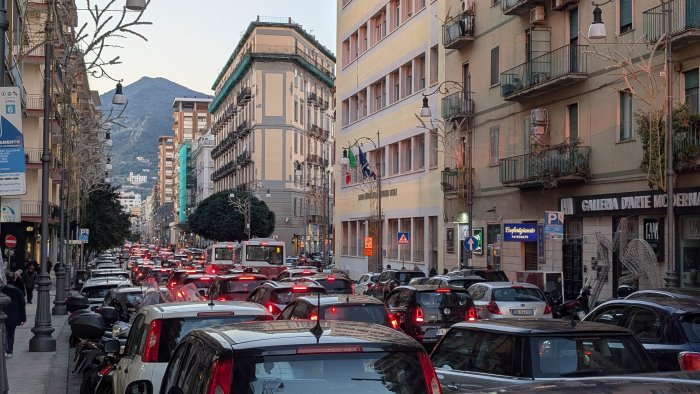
[190, 40]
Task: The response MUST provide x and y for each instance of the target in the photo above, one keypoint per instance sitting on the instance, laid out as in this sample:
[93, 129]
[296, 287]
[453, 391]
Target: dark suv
[276, 295]
[489, 275]
[425, 312]
[235, 287]
[297, 357]
[390, 279]
[360, 308]
[334, 284]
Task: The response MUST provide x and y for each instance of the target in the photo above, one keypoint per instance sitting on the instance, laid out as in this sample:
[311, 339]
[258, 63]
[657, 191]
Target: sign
[463, 231]
[554, 224]
[10, 241]
[479, 235]
[368, 246]
[84, 235]
[11, 210]
[520, 232]
[12, 160]
[471, 243]
[644, 202]
[540, 243]
[449, 240]
[653, 234]
[403, 238]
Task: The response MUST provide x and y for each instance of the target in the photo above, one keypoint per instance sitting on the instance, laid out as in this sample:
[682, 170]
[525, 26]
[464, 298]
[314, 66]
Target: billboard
[12, 160]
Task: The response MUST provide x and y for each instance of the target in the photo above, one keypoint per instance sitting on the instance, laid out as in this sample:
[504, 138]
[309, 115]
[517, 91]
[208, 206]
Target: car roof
[341, 299]
[285, 285]
[429, 287]
[105, 281]
[242, 274]
[405, 271]
[294, 333]
[190, 309]
[657, 383]
[542, 326]
[495, 285]
[128, 289]
[685, 291]
[322, 276]
[672, 305]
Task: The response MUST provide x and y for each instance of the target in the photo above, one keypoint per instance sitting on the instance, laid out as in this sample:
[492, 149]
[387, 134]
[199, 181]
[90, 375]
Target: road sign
[84, 235]
[368, 246]
[11, 210]
[479, 235]
[10, 241]
[403, 238]
[554, 224]
[471, 243]
[12, 159]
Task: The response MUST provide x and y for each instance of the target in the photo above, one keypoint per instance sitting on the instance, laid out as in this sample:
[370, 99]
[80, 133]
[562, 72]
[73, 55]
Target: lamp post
[597, 31]
[345, 160]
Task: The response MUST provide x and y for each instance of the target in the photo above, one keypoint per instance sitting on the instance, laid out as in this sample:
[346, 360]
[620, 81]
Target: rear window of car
[463, 282]
[241, 286]
[376, 314]
[285, 296]
[134, 298]
[517, 294]
[98, 291]
[405, 277]
[336, 286]
[691, 327]
[339, 373]
[432, 299]
[199, 283]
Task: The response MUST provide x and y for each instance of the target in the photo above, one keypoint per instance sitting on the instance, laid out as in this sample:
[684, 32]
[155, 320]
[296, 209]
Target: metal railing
[461, 26]
[685, 17]
[569, 59]
[33, 208]
[550, 163]
[460, 104]
[453, 180]
[508, 6]
[35, 102]
[33, 155]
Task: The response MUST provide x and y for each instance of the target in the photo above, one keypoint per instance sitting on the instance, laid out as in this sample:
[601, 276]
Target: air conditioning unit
[537, 15]
[468, 6]
[539, 116]
[538, 130]
[559, 4]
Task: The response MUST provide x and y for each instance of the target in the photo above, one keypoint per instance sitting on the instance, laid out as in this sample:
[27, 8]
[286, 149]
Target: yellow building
[389, 58]
[273, 122]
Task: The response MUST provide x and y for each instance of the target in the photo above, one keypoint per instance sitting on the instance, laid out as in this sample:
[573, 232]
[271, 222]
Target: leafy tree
[109, 225]
[216, 217]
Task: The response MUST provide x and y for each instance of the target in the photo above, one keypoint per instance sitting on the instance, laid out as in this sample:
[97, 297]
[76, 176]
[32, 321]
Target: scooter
[104, 373]
[575, 309]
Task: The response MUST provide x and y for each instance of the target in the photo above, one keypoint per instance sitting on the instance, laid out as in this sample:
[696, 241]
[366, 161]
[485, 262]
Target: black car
[276, 295]
[126, 300]
[297, 357]
[455, 281]
[687, 293]
[334, 284]
[489, 275]
[664, 326]
[235, 287]
[495, 353]
[389, 279]
[360, 308]
[425, 312]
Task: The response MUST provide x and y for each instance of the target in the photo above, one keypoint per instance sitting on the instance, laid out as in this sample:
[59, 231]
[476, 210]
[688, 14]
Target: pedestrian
[388, 266]
[444, 271]
[16, 312]
[432, 272]
[29, 276]
[48, 266]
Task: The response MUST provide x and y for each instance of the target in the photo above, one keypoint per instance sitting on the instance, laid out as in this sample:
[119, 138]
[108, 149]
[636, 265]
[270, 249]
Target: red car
[235, 287]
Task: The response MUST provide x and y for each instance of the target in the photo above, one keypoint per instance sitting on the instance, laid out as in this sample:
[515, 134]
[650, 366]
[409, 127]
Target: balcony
[243, 129]
[31, 211]
[518, 7]
[458, 106]
[33, 157]
[550, 72]
[685, 23]
[454, 181]
[312, 98]
[565, 163]
[35, 105]
[244, 96]
[244, 159]
[562, 5]
[458, 31]
[35, 56]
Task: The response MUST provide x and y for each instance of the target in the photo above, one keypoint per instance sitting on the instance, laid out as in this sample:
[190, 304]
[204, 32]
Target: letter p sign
[554, 217]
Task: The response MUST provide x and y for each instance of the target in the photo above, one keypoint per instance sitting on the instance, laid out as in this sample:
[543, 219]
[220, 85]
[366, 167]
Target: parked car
[454, 281]
[426, 312]
[340, 307]
[685, 293]
[498, 300]
[666, 327]
[235, 287]
[365, 283]
[497, 353]
[157, 329]
[489, 275]
[96, 289]
[276, 295]
[297, 357]
[389, 279]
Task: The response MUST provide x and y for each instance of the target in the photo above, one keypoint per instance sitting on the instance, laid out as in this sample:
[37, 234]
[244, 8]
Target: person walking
[16, 312]
[29, 276]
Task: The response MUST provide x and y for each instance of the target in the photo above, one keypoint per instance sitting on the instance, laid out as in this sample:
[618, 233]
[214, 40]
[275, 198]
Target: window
[420, 71]
[625, 16]
[408, 79]
[406, 156]
[378, 93]
[625, 116]
[433, 149]
[691, 90]
[418, 239]
[433, 65]
[478, 351]
[493, 151]
[346, 55]
[495, 59]
[394, 158]
[296, 109]
[572, 115]
[419, 152]
[644, 324]
[395, 82]
[396, 8]
[393, 242]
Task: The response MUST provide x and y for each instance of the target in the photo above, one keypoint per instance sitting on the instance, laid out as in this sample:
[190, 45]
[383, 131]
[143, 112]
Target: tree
[216, 218]
[109, 225]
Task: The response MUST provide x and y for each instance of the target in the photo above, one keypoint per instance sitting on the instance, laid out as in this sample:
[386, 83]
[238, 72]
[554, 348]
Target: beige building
[389, 58]
[554, 130]
[165, 169]
[273, 125]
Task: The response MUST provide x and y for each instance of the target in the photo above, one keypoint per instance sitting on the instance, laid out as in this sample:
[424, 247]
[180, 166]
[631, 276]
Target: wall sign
[649, 202]
[450, 240]
[479, 235]
[520, 232]
[653, 234]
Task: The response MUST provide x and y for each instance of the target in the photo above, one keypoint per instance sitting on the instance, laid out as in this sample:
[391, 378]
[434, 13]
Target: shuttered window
[625, 16]
[495, 58]
[626, 130]
[691, 90]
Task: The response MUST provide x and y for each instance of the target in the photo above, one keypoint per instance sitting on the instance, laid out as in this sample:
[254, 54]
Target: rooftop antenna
[317, 330]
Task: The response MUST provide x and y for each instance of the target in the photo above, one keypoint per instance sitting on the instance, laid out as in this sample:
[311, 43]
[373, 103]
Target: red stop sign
[10, 241]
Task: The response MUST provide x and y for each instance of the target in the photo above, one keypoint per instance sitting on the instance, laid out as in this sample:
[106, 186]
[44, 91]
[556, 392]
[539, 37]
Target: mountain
[148, 116]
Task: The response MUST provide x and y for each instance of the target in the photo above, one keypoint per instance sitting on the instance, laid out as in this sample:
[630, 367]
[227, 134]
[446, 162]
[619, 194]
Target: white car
[95, 289]
[157, 329]
[499, 300]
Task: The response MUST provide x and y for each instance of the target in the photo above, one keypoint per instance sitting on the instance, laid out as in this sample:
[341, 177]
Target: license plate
[521, 312]
[441, 331]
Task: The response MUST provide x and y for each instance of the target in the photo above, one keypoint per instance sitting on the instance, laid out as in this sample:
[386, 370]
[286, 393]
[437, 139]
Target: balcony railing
[686, 148]
[244, 95]
[32, 155]
[553, 165]
[458, 31]
[454, 180]
[33, 208]
[552, 71]
[685, 22]
[35, 102]
[518, 7]
[458, 105]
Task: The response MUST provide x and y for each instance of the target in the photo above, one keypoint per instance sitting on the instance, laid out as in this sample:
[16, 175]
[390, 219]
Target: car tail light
[432, 385]
[331, 278]
[689, 361]
[246, 278]
[471, 314]
[221, 299]
[418, 315]
[547, 309]
[393, 321]
[298, 289]
[313, 317]
[107, 369]
[492, 307]
[150, 351]
[442, 290]
[273, 309]
[221, 377]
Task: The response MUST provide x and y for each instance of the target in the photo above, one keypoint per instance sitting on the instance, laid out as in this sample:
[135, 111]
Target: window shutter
[573, 24]
[625, 12]
[691, 79]
[494, 66]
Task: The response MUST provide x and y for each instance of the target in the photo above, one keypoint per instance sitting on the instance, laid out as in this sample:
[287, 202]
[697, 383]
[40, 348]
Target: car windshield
[517, 294]
[336, 286]
[241, 286]
[405, 277]
[554, 357]
[339, 373]
[463, 282]
[440, 300]
[285, 296]
[376, 314]
[691, 327]
[98, 291]
[134, 298]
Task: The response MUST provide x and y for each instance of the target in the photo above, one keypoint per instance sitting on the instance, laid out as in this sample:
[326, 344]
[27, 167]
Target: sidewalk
[39, 373]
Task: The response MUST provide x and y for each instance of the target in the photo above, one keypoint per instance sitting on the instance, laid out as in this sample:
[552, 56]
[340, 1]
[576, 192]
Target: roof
[184, 309]
[341, 299]
[128, 289]
[106, 280]
[673, 305]
[282, 285]
[429, 287]
[191, 99]
[656, 383]
[506, 284]
[542, 326]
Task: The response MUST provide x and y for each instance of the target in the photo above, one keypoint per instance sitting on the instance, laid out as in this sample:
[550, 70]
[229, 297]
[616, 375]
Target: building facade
[204, 167]
[129, 200]
[273, 126]
[165, 169]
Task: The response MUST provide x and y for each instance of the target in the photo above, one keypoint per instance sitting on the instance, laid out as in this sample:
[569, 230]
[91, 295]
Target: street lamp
[597, 31]
[345, 160]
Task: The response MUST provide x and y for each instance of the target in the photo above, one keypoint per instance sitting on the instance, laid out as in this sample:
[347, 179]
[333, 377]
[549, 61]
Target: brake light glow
[221, 378]
[492, 307]
[547, 309]
[214, 313]
[306, 272]
[299, 288]
[246, 278]
[205, 278]
[334, 309]
[419, 316]
[442, 290]
[471, 314]
[394, 322]
[273, 309]
[221, 299]
[150, 351]
[689, 361]
[107, 369]
[313, 317]
[329, 349]
[432, 385]
[331, 278]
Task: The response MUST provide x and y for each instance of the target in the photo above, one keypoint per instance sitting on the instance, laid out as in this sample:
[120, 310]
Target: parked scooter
[99, 379]
[575, 309]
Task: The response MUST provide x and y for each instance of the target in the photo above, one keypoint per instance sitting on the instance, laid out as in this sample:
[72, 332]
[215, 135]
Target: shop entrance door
[572, 267]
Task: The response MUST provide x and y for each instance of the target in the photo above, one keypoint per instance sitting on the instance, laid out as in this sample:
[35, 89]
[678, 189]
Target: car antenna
[317, 330]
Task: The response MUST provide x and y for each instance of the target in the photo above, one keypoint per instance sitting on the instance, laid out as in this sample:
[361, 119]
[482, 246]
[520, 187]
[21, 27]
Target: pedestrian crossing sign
[403, 238]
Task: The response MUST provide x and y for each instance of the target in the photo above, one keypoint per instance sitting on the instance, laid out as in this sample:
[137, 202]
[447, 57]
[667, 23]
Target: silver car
[365, 283]
[504, 300]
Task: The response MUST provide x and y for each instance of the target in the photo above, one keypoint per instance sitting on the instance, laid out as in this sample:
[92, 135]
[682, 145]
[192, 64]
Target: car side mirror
[139, 387]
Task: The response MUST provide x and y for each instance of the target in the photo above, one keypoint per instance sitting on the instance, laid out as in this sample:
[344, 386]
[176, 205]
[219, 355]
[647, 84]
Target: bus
[219, 255]
[263, 254]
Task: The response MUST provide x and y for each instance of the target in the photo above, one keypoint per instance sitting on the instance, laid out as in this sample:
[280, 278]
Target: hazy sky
[190, 40]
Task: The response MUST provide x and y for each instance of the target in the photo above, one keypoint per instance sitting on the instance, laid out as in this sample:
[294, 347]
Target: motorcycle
[575, 309]
[103, 374]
